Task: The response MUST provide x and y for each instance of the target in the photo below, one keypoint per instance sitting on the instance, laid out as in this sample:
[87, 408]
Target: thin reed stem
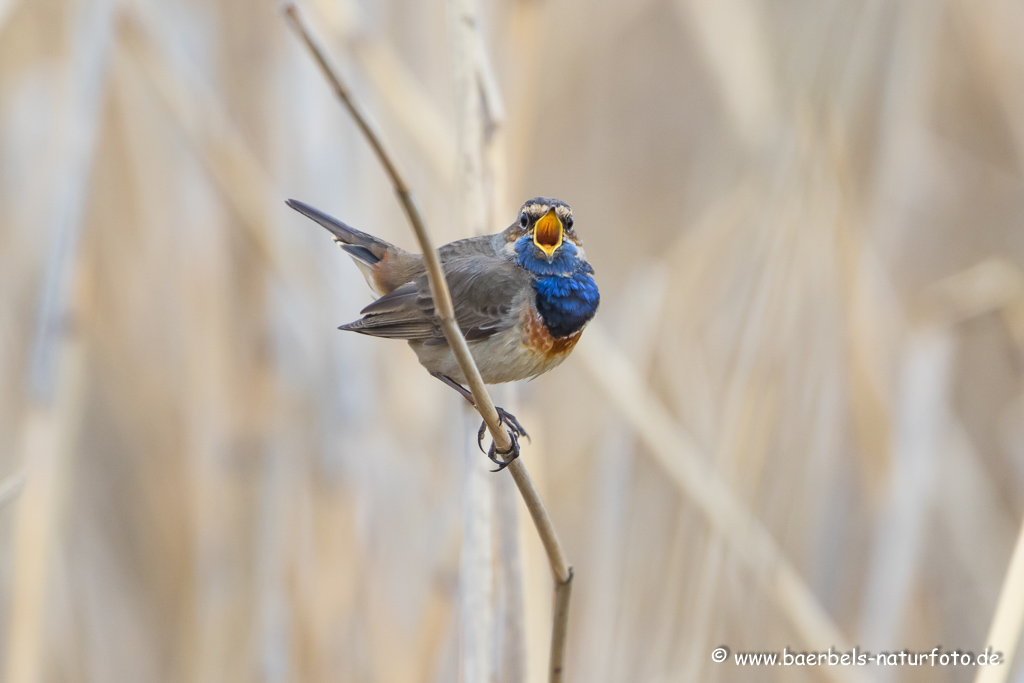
[560, 568]
[11, 487]
[1008, 620]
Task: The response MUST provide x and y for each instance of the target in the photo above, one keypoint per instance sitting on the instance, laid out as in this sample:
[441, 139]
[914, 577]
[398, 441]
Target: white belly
[501, 358]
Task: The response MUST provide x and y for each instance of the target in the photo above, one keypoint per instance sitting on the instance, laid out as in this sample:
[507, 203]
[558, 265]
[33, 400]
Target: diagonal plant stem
[560, 568]
[11, 487]
[1004, 633]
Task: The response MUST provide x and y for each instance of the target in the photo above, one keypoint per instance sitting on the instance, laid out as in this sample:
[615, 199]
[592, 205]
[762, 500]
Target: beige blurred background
[796, 420]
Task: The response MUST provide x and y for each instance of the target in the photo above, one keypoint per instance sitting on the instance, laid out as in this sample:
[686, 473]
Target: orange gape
[547, 233]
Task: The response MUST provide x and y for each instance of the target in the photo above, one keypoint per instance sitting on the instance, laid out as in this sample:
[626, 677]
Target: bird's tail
[384, 265]
[365, 249]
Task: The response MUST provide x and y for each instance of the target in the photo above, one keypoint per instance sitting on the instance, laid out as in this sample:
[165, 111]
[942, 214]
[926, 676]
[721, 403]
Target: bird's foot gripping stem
[506, 456]
[506, 418]
[515, 430]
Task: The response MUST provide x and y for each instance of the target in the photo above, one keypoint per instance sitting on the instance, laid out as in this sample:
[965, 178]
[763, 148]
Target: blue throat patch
[567, 296]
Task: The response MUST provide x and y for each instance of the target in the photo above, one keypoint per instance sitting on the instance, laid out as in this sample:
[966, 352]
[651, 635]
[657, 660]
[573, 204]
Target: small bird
[522, 298]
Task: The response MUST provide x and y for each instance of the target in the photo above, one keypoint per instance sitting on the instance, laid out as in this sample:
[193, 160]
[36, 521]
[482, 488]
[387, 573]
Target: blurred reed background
[797, 419]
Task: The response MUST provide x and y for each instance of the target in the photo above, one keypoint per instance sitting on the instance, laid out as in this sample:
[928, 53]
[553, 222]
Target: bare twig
[409, 103]
[560, 568]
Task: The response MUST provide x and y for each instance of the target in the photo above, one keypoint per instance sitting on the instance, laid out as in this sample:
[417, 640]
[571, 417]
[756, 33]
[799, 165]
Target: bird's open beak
[547, 233]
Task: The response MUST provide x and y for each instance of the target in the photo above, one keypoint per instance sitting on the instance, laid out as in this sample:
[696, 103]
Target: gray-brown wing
[485, 291]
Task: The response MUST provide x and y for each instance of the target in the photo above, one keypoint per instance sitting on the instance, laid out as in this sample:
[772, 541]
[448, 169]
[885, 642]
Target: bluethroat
[522, 298]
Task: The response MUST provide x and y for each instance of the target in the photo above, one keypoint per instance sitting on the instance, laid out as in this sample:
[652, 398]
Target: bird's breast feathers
[537, 337]
[565, 294]
[525, 350]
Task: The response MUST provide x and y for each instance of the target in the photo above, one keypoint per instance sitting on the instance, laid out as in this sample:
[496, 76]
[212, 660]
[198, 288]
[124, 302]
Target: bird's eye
[524, 220]
[568, 222]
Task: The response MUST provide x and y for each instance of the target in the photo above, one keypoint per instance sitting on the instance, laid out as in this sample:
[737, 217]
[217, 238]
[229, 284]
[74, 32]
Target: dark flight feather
[483, 287]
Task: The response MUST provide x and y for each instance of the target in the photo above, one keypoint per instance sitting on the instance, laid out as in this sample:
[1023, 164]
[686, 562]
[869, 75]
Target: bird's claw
[511, 454]
[515, 430]
[510, 420]
[506, 418]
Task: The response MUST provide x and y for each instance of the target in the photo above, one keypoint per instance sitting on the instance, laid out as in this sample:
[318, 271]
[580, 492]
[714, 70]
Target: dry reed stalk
[476, 576]
[526, 29]
[994, 29]
[235, 168]
[484, 98]
[1004, 633]
[514, 655]
[222, 408]
[920, 430]
[967, 499]
[536, 571]
[49, 438]
[560, 568]
[399, 90]
[57, 367]
[642, 302]
[11, 487]
[996, 284]
[7, 8]
[675, 451]
[992, 285]
[410, 104]
[732, 36]
[867, 302]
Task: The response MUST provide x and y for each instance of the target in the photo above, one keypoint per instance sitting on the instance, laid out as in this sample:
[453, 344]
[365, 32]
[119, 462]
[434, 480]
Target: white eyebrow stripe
[535, 210]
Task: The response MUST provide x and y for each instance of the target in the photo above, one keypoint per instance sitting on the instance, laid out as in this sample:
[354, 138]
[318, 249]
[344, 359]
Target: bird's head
[543, 233]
